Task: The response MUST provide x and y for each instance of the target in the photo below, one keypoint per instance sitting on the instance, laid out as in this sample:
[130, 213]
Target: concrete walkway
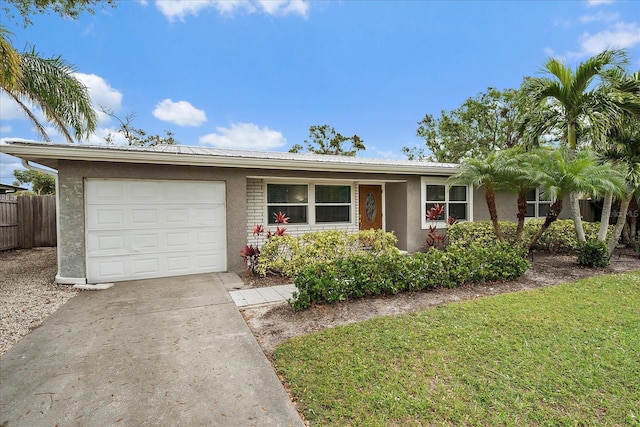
[172, 351]
[261, 296]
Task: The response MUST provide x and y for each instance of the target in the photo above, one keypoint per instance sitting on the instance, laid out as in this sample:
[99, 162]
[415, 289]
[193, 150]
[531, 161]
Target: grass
[563, 355]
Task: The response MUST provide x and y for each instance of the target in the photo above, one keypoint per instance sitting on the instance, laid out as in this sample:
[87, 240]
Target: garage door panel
[142, 217]
[145, 266]
[113, 269]
[134, 232]
[143, 190]
[105, 192]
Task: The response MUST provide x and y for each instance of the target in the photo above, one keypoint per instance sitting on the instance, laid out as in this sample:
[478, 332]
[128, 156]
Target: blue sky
[256, 74]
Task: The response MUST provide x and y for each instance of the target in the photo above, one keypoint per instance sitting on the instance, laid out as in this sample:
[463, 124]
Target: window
[537, 204]
[333, 203]
[292, 199]
[456, 200]
[309, 203]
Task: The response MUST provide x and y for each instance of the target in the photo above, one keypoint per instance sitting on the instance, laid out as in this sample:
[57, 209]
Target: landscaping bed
[273, 324]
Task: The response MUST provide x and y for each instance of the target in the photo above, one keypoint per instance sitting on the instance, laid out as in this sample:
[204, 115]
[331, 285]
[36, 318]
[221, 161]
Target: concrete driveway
[171, 351]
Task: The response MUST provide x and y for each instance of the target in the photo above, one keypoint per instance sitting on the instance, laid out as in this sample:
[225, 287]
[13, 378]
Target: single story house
[10, 189]
[141, 212]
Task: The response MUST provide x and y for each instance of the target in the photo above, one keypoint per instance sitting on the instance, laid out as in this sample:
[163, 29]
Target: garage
[141, 229]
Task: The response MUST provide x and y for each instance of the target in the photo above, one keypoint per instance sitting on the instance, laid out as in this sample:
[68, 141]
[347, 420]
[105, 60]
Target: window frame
[311, 201]
[536, 203]
[332, 204]
[426, 180]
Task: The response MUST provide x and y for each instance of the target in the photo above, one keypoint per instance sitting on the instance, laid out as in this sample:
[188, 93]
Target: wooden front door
[370, 207]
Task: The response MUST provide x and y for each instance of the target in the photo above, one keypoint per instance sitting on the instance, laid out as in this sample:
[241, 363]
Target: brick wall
[256, 207]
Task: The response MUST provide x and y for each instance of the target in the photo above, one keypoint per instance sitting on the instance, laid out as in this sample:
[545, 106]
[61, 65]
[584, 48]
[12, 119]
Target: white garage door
[139, 229]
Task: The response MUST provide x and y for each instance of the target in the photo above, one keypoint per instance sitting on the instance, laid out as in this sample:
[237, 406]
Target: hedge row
[559, 238]
[366, 274]
[287, 254]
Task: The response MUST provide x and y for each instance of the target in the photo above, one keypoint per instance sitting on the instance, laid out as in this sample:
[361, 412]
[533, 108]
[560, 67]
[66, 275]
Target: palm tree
[622, 136]
[578, 100]
[518, 179]
[623, 150]
[558, 173]
[487, 173]
[50, 84]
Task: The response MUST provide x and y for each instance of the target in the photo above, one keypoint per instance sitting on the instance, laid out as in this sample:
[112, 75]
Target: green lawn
[564, 355]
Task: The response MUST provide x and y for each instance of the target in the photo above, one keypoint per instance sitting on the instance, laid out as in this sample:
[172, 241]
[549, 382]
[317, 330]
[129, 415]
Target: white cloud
[620, 36]
[244, 136]
[11, 110]
[7, 165]
[179, 9]
[102, 94]
[5, 129]
[285, 7]
[592, 3]
[600, 16]
[180, 113]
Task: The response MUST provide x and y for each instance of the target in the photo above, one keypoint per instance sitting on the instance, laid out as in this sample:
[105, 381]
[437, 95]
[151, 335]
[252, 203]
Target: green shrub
[287, 254]
[362, 274]
[593, 253]
[559, 238]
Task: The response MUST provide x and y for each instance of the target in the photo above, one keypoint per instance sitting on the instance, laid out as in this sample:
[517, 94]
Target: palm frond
[11, 65]
[65, 101]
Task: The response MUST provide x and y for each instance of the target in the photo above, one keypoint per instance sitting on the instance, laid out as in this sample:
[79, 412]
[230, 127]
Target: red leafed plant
[434, 238]
[250, 253]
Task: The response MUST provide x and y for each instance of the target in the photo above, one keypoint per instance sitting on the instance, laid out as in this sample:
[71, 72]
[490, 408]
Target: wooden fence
[27, 222]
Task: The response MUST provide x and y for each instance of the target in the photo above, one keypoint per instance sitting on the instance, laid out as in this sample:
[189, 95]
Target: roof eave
[78, 153]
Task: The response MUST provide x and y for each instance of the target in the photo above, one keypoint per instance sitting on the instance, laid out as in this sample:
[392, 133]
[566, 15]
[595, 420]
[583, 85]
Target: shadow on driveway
[170, 351]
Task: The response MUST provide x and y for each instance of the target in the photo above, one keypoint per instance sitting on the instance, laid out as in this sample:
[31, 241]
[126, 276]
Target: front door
[370, 207]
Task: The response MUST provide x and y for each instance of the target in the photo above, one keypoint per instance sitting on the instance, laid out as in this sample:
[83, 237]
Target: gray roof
[48, 154]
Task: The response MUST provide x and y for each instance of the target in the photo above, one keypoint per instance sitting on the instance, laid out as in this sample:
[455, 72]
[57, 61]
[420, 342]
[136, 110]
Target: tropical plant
[487, 173]
[48, 83]
[11, 72]
[579, 103]
[623, 150]
[518, 179]
[558, 173]
[435, 239]
[251, 253]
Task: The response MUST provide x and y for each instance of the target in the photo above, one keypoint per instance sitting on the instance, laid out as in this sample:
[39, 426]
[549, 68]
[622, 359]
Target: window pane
[296, 214]
[531, 210]
[458, 210]
[544, 209]
[287, 193]
[458, 193]
[531, 195]
[333, 194]
[332, 213]
[435, 193]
